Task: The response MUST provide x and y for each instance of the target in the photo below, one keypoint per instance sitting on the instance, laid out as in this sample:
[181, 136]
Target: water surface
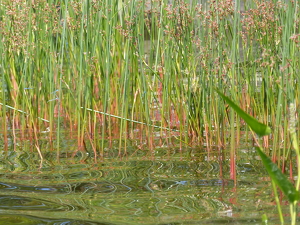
[168, 186]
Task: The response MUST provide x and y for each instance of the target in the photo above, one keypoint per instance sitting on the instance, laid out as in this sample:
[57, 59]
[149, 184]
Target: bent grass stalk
[103, 113]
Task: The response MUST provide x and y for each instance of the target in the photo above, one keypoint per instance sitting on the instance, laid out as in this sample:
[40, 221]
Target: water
[167, 187]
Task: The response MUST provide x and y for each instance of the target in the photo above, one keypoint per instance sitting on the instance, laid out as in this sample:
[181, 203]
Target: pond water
[168, 186]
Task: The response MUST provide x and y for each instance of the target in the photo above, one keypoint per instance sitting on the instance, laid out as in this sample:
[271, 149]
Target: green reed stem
[64, 9]
[277, 202]
[95, 55]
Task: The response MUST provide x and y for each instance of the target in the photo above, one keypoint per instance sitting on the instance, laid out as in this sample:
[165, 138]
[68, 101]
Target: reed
[97, 67]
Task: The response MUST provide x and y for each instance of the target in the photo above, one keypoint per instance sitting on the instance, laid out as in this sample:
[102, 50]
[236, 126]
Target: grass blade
[258, 127]
[279, 178]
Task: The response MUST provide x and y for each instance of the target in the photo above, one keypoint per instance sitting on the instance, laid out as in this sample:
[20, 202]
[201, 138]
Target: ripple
[13, 202]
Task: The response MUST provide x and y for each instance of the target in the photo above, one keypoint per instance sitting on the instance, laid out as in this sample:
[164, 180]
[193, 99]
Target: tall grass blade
[279, 178]
[258, 127]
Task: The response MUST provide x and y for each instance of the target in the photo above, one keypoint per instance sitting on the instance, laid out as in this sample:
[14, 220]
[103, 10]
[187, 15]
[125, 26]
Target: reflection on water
[172, 188]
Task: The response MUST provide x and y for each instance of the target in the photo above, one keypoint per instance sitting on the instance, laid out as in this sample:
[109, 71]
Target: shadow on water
[174, 188]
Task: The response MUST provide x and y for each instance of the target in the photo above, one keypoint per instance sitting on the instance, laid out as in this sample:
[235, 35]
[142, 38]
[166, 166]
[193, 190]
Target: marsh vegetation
[142, 75]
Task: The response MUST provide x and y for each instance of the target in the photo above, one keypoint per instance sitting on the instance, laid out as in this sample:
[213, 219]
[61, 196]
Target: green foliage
[275, 173]
[279, 178]
[76, 63]
[261, 129]
[258, 127]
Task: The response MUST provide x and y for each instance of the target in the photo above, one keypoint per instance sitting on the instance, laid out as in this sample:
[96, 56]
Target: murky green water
[167, 187]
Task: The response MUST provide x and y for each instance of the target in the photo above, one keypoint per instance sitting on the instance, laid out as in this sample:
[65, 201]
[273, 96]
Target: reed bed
[147, 71]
